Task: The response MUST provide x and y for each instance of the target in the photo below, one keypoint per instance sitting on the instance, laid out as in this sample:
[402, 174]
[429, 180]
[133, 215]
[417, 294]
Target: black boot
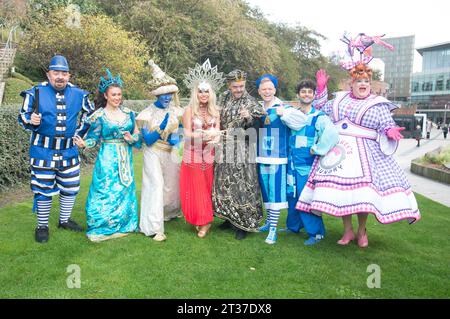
[225, 225]
[240, 234]
[41, 234]
[70, 225]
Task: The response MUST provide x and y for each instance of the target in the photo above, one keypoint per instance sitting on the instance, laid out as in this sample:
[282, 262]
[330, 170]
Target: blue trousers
[272, 180]
[296, 219]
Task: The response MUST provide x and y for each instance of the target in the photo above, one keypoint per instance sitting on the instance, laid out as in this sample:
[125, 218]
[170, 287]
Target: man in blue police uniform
[50, 111]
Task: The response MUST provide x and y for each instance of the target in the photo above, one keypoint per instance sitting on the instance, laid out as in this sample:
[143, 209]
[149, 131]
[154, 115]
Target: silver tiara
[204, 73]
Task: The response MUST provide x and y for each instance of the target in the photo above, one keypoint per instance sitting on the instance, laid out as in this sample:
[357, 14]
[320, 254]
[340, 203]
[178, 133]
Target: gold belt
[162, 146]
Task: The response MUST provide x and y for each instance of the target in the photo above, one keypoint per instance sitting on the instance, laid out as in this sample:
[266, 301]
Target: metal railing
[10, 44]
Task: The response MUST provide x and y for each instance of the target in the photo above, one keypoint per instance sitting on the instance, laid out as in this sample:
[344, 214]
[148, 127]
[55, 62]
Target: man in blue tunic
[273, 139]
[50, 111]
[310, 137]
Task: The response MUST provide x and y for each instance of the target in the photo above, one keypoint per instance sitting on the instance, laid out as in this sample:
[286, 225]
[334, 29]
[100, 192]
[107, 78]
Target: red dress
[197, 175]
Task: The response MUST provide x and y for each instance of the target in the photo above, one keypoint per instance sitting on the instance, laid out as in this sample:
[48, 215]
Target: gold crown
[236, 76]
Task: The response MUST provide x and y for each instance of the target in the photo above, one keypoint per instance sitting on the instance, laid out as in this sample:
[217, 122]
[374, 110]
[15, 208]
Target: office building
[398, 66]
[430, 88]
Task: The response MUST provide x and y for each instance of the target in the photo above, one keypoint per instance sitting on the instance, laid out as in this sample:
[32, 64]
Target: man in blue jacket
[50, 111]
[310, 137]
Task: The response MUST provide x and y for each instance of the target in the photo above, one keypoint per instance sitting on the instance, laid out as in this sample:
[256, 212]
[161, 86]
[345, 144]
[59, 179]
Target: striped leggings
[48, 182]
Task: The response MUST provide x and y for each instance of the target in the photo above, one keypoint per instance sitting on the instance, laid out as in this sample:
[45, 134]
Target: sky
[427, 20]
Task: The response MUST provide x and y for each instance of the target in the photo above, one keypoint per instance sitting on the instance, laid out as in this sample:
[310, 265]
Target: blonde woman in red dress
[201, 125]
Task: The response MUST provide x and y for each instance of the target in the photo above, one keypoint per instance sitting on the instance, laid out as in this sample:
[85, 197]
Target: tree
[376, 75]
[97, 43]
[229, 32]
[182, 33]
[10, 13]
[40, 9]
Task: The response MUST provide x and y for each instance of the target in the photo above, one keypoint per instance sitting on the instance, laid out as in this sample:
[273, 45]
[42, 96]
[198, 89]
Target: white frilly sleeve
[294, 119]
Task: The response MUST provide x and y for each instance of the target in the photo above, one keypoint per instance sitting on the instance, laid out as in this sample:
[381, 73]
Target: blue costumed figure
[312, 134]
[159, 125]
[272, 159]
[111, 206]
[51, 111]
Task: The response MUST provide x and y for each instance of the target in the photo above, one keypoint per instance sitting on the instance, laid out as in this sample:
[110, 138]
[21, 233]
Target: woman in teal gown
[111, 206]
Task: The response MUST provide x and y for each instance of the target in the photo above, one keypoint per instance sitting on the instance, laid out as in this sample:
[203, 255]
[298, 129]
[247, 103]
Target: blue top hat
[58, 63]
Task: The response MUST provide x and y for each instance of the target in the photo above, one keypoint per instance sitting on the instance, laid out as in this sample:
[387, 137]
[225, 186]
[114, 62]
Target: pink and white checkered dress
[356, 176]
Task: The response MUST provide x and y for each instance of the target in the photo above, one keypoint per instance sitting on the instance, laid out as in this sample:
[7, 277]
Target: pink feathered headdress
[362, 43]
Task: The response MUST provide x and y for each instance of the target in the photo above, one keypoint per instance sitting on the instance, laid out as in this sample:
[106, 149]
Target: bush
[14, 85]
[14, 144]
[23, 66]
[14, 148]
[13, 88]
[442, 157]
[97, 43]
[22, 77]
[136, 105]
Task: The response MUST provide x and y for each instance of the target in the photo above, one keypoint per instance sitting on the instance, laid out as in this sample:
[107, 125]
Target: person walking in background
[429, 128]
[445, 130]
[418, 134]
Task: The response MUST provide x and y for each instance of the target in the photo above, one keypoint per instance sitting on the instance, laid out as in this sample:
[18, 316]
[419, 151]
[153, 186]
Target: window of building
[415, 86]
[427, 86]
[439, 85]
[447, 86]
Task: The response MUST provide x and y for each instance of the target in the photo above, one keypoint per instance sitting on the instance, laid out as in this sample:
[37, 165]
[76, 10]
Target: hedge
[14, 165]
[14, 146]
[20, 76]
[13, 88]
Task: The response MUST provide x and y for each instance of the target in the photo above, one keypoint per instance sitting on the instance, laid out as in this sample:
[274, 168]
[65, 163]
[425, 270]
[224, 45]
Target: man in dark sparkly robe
[236, 191]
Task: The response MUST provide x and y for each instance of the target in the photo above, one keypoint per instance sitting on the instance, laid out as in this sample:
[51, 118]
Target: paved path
[408, 151]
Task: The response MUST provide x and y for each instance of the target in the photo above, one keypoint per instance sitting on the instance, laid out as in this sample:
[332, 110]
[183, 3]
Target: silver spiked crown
[204, 73]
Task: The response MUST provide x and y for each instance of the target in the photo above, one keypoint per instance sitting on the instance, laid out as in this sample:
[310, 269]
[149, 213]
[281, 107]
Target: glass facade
[434, 60]
[398, 66]
[430, 89]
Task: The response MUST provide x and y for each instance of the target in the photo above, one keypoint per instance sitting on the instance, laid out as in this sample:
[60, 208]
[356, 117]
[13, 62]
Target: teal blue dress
[111, 206]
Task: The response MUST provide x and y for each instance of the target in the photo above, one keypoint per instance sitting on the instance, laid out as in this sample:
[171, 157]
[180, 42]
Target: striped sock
[43, 212]
[66, 205]
[269, 216]
[274, 216]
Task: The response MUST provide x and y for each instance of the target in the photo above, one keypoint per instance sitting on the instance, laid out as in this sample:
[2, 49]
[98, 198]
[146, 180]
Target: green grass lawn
[414, 260]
